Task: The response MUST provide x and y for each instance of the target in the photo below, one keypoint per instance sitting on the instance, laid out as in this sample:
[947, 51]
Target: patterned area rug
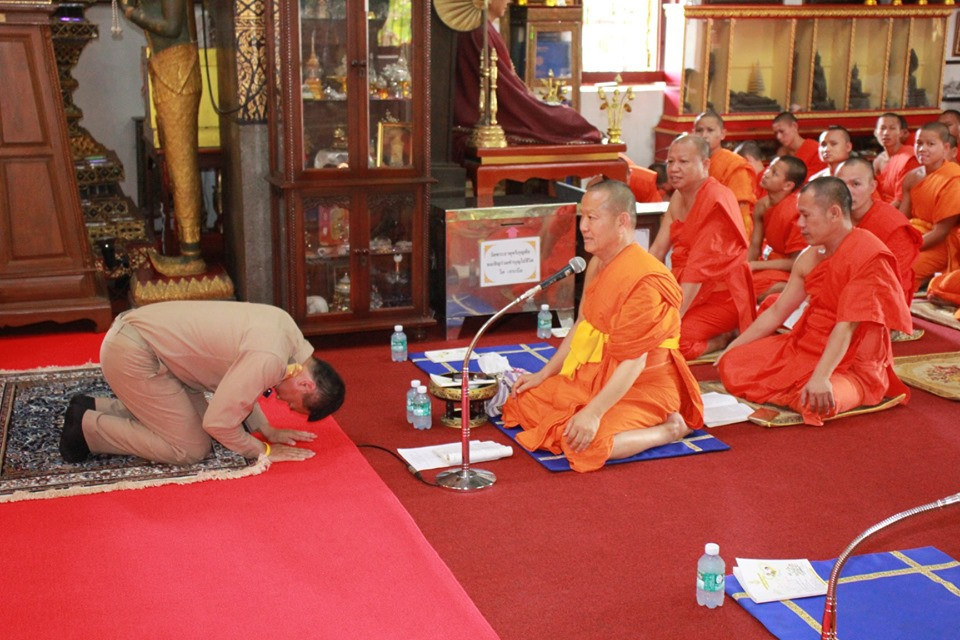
[938, 373]
[934, 313]
[771, 415]
[32, 404]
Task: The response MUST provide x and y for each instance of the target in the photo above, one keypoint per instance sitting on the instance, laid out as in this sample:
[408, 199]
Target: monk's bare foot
[677, 426]
[716, 343]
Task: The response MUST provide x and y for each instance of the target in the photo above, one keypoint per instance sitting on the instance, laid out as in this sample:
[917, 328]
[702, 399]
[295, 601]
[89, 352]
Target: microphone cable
[416, 474]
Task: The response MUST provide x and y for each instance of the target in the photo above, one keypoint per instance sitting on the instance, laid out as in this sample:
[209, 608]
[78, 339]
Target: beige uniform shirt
[236, 350]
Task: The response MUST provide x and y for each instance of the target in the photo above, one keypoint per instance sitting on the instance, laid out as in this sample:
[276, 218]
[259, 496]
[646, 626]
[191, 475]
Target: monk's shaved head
[858, 162]
[828, 191]
[796, 170]
[709, 114]
[785, 117]
[696, 142]
[617, 198]
[939, 129]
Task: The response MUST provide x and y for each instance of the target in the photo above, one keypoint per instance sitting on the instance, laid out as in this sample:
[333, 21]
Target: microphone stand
[465, 478]
[829, 625]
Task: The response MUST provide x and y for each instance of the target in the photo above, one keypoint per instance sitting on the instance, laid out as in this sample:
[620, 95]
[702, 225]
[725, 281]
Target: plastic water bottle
[411, 394]
[421, 409]
[398, 344]
[710, 577]
[544, 322]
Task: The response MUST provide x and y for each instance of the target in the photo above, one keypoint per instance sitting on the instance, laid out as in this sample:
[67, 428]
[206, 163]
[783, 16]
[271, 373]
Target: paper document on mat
[449, 355]
[773, 580]
[723, 408]
[449, 455]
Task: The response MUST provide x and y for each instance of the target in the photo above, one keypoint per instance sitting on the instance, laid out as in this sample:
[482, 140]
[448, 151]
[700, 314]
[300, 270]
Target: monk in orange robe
[897, 159]
[786, 129]
[617, 385]
[835, 148]
[838, 355]
[750, 151]
[882, 220]
[704, 228]
[946, 288]
[730, 169]
[933, 203]
[776, 240]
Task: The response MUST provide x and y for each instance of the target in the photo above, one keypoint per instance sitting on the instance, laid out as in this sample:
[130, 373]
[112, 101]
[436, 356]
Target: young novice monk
[776, 241]
[787, 131]
[896, 161]
[933, 204]
[835, 148]
[730, 170]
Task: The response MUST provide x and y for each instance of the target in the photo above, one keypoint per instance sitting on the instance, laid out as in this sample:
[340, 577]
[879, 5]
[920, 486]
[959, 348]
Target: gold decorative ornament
[615, 108]
[217, 286]
[477, 395]
[553, 89]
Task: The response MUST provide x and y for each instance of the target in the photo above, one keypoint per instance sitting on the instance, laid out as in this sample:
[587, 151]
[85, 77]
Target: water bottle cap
[414, 383]
[421, 389]
[398, 328]
[544, 307]
[711, 549]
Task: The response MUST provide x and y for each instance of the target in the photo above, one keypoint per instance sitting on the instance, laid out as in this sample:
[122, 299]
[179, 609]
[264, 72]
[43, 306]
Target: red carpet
[605, 555]
[318, 549]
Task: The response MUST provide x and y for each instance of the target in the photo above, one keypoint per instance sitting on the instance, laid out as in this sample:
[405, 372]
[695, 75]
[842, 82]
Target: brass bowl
[477, 395]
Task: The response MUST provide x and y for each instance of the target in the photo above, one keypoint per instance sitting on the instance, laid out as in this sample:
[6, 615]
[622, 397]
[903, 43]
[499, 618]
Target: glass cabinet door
[760, 53]
[324, 90]
[925, 62]
[391, 249]
[803, 52]
[718, 65]
[326, 243]
[389, 88]
[830, 65]
[897, 67]
[868, 66]
[694, 65]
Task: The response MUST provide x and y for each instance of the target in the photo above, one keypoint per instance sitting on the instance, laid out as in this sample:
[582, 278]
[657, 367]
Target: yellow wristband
[267, 452]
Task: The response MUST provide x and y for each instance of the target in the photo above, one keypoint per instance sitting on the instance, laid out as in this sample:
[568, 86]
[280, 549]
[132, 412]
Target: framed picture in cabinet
[394, 144]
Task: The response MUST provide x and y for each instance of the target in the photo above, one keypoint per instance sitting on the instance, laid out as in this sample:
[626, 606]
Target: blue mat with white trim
[880, 596]
[532, 357]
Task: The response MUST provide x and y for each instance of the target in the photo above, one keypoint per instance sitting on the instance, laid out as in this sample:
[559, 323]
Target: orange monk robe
[890, 178]
[781, 237]
[734, 172]
[809, 153]
[858, 283]
[895, 231]
[643, 182]
[933, 199]
[710, 247]
[632, 307]
[946, 287]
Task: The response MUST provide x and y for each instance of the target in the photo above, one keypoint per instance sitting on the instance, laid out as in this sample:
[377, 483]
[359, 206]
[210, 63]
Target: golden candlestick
[487, 133]
[615, 109]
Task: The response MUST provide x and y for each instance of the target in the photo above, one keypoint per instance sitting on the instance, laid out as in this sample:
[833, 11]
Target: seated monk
[933, 203]
[838, 355]
[730, 170]
[750, 151]
[525, 118]
[787, 131]
[897, 159]
[945, 289]
[704, 228]
[951, 118]
[882, 220]
[617, 385]
[835, 148]
[776, 241]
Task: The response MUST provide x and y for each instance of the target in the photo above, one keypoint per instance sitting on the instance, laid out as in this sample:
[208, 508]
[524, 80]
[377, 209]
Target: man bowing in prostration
[838, 355]
[617, 385]
[704, 228]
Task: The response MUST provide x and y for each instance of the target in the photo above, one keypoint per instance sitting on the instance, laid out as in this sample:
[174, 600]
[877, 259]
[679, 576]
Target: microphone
[576, 265]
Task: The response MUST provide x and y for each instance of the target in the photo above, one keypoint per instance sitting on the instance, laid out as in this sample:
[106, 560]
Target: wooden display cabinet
[542, 39]
[828, 64]
[350, 162]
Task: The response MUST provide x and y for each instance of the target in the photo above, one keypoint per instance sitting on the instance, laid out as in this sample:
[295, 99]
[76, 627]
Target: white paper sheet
[449, 355]
[449, 455]
[722, 408]
[773, 580]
